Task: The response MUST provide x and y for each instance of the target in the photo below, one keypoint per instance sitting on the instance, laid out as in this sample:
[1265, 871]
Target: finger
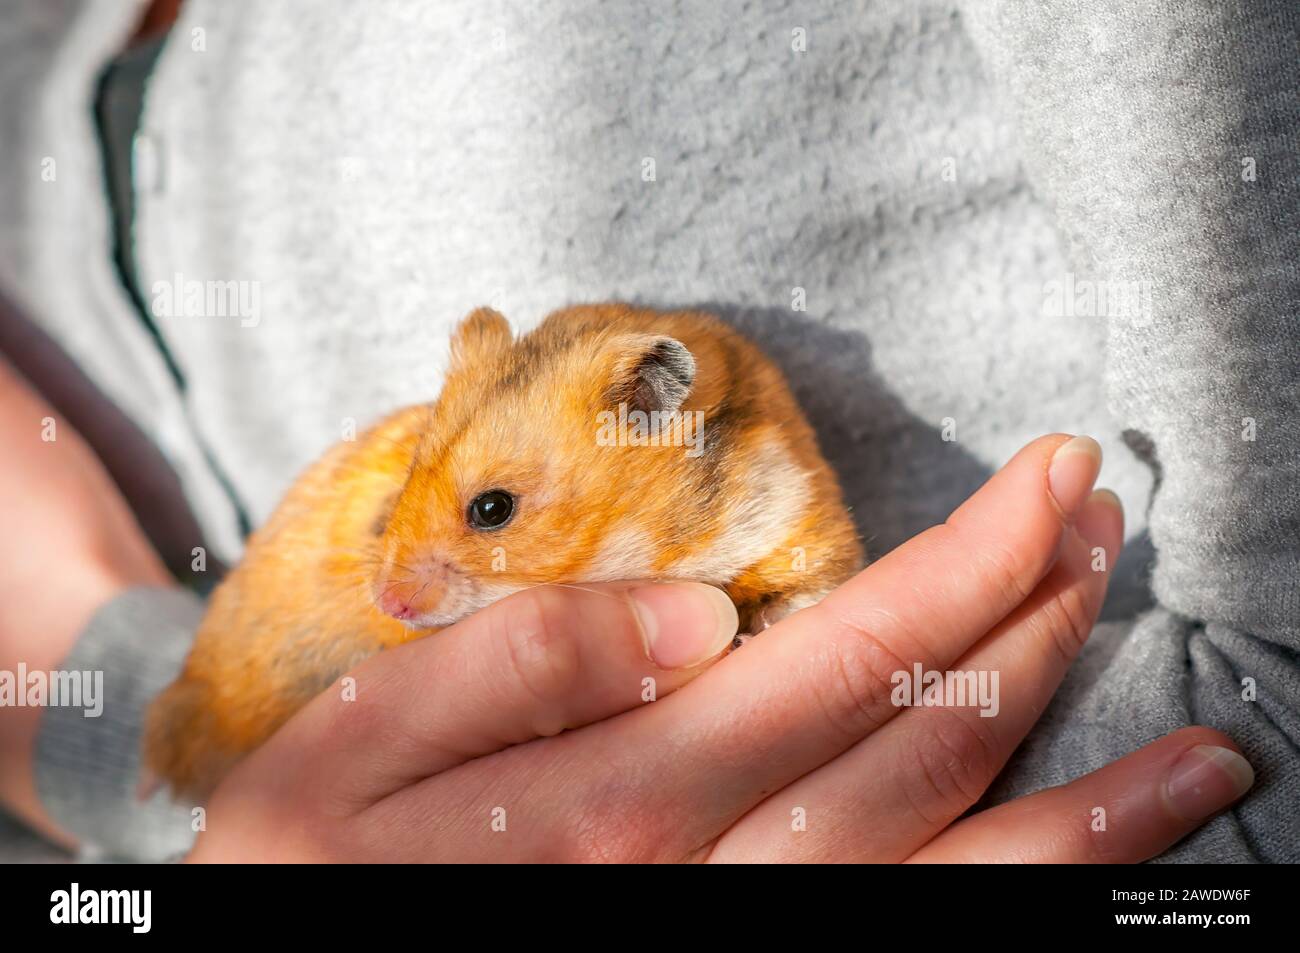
[818, 682]
[986, 558]
[925, 768]
[537, 663]
[1127, 812]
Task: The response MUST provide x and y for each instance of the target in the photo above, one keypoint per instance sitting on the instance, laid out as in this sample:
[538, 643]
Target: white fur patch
[755, 524]
[626, 554]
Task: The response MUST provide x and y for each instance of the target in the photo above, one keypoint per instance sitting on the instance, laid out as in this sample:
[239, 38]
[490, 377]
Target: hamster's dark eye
[491, 510]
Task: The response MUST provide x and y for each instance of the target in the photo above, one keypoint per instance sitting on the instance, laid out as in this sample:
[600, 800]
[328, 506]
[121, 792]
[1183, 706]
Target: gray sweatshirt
[955, 225]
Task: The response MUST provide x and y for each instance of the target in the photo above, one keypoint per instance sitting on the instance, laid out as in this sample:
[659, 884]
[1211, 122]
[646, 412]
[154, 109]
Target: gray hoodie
[955, 225]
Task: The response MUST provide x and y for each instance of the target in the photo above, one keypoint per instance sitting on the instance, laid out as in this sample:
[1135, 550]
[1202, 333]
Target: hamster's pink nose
[393, 601]
[408, 600]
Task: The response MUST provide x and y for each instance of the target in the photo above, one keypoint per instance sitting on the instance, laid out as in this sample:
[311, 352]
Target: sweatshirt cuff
[87, 765]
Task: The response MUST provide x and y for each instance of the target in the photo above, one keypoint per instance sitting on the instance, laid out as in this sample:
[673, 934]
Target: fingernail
[1072, 472]
[1206, 779]
[684, 623]
[1101, 521]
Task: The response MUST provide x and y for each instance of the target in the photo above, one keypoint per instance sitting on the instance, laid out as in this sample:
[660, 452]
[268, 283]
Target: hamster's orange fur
[757, 512]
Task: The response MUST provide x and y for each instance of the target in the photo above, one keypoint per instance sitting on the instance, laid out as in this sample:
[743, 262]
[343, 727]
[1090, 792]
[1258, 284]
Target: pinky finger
[1126, 812]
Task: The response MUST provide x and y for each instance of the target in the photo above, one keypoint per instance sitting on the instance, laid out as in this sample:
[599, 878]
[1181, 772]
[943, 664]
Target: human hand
[451, 751]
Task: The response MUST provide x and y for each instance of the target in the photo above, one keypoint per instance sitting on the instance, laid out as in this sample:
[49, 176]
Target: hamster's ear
[651, 372]
[479, 337]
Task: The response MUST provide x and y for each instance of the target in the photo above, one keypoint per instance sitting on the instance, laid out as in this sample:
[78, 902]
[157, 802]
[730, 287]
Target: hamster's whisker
[390, 589]
[569, 585]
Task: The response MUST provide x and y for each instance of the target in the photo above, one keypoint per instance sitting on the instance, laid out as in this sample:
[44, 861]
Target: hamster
[610, 443]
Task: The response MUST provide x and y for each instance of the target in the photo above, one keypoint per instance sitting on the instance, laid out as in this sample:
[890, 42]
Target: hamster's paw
[759, 621]
[768, 615]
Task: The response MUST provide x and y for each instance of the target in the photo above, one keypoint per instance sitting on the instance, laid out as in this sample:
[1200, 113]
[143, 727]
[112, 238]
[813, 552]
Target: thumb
[534, 664]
